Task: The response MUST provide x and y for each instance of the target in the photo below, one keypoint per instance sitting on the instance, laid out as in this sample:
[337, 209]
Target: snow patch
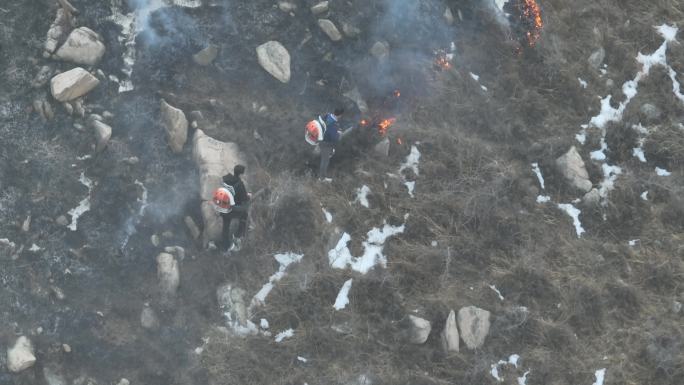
[284, 260]
[512, 360]
[574, 213]
[537, 172]
[328, 215]
[412, 161]
[83, 206]
[302, 359]
[582, 83]
[600, 376]
[34, 248]
[343, 296]
[501, 297]
[644, 195]
[264, 324]
[289, 333]
[362, 195]
[340, 257]
[411, 187]
[543, 198]
[610, 174]
[662, 172]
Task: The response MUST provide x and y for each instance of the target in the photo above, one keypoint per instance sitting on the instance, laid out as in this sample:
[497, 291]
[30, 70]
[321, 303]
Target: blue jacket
[332, 132]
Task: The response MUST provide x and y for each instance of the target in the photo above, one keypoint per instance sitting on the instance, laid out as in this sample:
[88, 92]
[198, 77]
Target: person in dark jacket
[239, 211]
[330, 139]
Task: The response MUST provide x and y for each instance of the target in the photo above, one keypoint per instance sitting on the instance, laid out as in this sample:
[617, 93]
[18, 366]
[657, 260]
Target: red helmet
[314, 132]
[223, 200]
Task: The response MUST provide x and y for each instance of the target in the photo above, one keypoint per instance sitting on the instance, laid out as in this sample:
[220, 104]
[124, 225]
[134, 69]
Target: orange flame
[385, 124]
[442, 60]
[532, 12]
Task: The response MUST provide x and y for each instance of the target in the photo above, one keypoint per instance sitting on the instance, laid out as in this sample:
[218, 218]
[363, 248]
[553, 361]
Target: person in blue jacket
[330, 139]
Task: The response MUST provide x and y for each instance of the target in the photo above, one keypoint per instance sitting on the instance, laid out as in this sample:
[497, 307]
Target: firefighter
[237, 211]
[330, 139]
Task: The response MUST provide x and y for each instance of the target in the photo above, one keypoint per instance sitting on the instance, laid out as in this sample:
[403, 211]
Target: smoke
[498, 10]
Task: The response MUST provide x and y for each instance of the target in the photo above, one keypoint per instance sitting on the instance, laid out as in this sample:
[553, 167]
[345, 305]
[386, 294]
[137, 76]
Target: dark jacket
[332, 132]
[241, 196]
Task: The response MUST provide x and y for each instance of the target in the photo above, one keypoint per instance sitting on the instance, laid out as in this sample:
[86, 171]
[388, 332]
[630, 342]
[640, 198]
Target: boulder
[83, 46]
[148, 318]
[572, 167]
[473, 323]
[596, 58]
[176, 126]
[448, 16]
[168, 274]
[56, 32]
[275, 59]
[287, 6]
[320, 8]
[103, 133]
[206, 56]
[330, 29]
[231, 300]
[380, 50]
[449, 335]
[20, 356]
[383, 147]
[419, 329]
[72, 84]
[214, 159]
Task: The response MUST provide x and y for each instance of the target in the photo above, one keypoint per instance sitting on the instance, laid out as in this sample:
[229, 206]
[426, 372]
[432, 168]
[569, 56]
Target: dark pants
[327, 151]
[239, 213]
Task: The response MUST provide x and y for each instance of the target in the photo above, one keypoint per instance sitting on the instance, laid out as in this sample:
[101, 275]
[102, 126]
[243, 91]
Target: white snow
[543, 198]
[501, 297]
[644, 195]
[362, 195]
[638, 153]
[264, 324]
[582, 83]
[302, 359]
[84, 157]
[581, 137]
[537, 172]
[523, 380]
[662, 172]
[289, 333]
[8, 243]
[83, 206]
[600, 375]
[574, 213]
[411, 161]
[512, 360]
[610, 174]
[500, 4]
[328, 215]
[633, 242]
[284, 260]
[343, 296]
[35, 248]
[476, 77]
[411, 187]
[340, 257]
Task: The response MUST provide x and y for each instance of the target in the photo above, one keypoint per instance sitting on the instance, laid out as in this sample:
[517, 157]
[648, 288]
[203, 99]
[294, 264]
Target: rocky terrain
[506, 208]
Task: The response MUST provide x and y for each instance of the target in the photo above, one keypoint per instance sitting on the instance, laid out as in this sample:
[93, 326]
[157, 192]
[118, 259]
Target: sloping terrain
[465, 204]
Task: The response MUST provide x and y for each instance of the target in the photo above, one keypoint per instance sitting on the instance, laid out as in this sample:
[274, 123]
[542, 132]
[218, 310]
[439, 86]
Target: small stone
[20, 356]
[107, 115]
[330, 29]
[168, 274]
[450, 339]
[383, 147]
[148, 318]
[79, 126]
[133, 160]
[62, 220]
[380, 50]
[103, 133]
[286, 6]
[350, 30]
[206, 56]
[596, 58]
[26, 226]
[66, 348]
[78, 107]
[448, 16]
[473, 323]
[155, 240]
[176, 126]
[68, 107]
[419, 329]
[39, 330]
[58, 293]
[320, 8]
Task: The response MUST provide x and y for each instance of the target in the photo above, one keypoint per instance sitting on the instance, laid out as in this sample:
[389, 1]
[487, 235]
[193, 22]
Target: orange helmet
[223, 200]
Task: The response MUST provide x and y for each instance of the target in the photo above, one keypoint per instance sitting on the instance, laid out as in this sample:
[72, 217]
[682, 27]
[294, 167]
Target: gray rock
[383, 147]
[79, 110]
[83, 46]
[154, 239]
[275, 59]
[676, 307]
[192, 227]
[168, 274]
[103, 133]
[286, 6]
[231, 300]
[448, 16]
[62, 220]
[66, 348]
[72, 84]
[572, 167]
[380, 50]
[320, 8]
[350, 30]
[178, 251]
[355, 96]
[148, 318]
[419, 329]
[56, 32]
[592, 198]
[449, 336]
[596, 58]
[473, 324]
[176, 126]
[650, 112]
[20, 356]
[68, 107]
[330, 29]
[206, 56]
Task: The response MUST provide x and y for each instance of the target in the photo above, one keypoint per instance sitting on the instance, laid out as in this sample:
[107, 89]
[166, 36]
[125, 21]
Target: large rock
[103, 133]
[449, 335]
[83, 46]
[176, 126]
[231, 300]
[572, 167]
[275, 59]
[20, 356]
[320, 8]
[168, 274]
[380, 50]
[72, 84]
[206, 56]
[148, 318]
[419, 329]
[214, 159]
[330, 29]
[473, 323]
[57, 30]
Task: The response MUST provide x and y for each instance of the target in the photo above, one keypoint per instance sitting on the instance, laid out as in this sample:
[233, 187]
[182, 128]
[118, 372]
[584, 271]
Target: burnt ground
[572, 305]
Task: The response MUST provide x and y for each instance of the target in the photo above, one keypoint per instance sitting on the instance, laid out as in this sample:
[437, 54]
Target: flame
[364, 122]
[531, 12]
[385, 124]
[442, 60]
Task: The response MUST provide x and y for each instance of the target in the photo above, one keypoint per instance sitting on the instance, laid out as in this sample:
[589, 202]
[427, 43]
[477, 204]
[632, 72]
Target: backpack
[315, 131]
